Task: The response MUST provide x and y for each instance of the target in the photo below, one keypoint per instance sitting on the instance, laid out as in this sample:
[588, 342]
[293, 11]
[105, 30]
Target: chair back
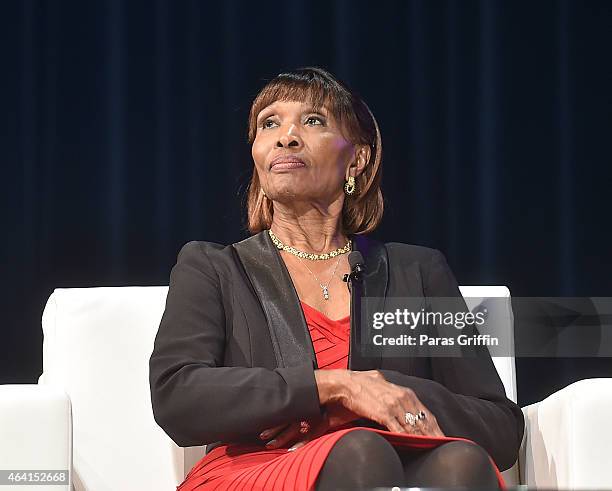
[97, 344]
[499, 323]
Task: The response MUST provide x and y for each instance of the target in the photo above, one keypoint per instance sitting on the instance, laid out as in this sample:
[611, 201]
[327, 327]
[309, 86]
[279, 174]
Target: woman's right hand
[369, 395]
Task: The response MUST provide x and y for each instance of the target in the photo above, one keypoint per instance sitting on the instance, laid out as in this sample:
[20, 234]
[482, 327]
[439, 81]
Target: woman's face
[300, 154]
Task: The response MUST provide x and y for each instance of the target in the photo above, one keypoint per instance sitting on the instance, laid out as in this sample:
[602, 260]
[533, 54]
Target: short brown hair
[363, 210]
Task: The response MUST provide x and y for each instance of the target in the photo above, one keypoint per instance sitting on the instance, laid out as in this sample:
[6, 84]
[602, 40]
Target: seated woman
[254, 348]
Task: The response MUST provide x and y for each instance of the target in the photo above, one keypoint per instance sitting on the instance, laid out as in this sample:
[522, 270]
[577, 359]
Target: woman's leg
[452, 464]
[361, 459]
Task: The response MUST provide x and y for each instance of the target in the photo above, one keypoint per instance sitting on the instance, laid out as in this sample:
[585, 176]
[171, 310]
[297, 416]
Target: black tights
[362, 459]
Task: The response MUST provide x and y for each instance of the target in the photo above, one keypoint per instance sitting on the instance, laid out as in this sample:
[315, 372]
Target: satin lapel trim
[375, 282]
[279, 300]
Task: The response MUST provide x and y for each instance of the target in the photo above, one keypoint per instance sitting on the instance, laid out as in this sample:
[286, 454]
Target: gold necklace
[324, 287]
[309, 255]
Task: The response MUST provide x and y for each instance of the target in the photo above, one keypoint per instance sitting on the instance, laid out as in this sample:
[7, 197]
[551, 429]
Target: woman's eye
[265, 123]
[268, 123]
[314, 118]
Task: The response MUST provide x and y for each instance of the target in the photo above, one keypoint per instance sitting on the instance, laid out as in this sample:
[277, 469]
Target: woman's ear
[362, 157]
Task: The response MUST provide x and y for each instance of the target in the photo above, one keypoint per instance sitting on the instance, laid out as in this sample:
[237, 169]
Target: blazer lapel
[374, 286]
[281, 305]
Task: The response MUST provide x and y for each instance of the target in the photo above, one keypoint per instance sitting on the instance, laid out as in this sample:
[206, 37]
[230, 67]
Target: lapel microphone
[356, 262]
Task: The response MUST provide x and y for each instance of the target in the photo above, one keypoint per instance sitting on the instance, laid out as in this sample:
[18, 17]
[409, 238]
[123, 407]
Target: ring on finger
[412, 418]
[304, 427]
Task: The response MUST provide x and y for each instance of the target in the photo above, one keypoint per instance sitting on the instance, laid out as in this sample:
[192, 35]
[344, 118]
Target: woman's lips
[287, 165]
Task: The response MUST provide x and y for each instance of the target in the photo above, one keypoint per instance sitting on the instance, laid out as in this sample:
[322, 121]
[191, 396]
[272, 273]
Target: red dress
[253, 467]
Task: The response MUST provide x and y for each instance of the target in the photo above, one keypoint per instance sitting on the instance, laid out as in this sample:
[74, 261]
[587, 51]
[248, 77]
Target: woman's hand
[335, 415]
[361, 394]
[369, 395]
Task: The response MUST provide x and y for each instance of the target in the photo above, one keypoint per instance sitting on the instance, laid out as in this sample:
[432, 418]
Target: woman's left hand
[335, 415]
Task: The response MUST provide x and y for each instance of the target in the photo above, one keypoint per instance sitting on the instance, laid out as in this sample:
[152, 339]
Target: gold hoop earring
[349, 186]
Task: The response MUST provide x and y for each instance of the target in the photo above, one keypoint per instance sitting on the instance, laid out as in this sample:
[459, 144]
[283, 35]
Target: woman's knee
[365, 447]
[467, 462]
[455, 463]
[466, 449]
[361, 459]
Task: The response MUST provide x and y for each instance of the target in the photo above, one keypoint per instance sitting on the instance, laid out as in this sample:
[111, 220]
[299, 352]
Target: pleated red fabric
[252, 467]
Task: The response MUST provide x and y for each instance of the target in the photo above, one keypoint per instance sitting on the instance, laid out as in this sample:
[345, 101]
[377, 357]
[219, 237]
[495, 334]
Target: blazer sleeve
[466, 394]
[195, 399]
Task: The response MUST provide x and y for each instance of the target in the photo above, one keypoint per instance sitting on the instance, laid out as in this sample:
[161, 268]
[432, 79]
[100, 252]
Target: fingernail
[291, 449]
[264, 434]
[271, 443]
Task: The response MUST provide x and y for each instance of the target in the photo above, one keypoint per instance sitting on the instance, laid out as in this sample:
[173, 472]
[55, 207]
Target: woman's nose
[289, 138]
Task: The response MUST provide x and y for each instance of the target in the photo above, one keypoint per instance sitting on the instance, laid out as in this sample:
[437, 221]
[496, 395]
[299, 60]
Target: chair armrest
[36, 430]
[568, 437]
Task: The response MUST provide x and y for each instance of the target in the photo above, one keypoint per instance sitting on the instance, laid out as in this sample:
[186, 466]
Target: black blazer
[233, 354]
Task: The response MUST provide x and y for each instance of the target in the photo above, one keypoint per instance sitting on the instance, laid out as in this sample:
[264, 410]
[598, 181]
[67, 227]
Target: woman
[253, 351]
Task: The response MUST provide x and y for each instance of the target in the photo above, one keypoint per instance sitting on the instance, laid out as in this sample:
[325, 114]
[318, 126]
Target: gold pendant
[325, 293]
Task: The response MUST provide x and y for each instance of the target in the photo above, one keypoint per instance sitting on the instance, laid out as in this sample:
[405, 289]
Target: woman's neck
[309, 231]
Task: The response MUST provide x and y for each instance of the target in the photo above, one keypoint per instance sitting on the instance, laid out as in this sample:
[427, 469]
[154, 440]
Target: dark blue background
[124, 136]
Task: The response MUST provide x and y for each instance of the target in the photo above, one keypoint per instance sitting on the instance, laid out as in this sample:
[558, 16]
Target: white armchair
[92, 408]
